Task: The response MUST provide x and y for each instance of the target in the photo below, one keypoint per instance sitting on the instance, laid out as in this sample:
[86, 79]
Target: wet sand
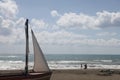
[89, 74]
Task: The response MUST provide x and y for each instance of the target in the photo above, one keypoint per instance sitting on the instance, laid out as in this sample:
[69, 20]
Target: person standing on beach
[85, 66]
[81, 66]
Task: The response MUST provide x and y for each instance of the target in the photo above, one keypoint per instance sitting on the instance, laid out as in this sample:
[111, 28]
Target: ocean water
[62, 61]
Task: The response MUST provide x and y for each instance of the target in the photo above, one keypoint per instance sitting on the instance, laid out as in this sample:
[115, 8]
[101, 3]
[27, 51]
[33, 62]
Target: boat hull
[30, 76]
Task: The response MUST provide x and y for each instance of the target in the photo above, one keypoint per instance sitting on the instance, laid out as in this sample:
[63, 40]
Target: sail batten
[40, 64]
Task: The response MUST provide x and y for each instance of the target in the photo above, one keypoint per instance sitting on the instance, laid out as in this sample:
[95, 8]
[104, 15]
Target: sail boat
[40, 70]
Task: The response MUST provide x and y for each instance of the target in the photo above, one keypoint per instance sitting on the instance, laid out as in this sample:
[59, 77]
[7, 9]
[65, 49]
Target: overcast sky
[61, 26]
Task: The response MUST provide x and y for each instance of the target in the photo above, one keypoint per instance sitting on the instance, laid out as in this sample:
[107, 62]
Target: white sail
[40, 64]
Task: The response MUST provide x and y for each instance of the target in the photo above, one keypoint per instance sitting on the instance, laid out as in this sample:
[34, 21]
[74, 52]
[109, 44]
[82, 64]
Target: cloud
[8, 8]
[84, 21]
[54, 13]
[5, 31]
[11, 28]
[100, 42]
[108, 19]
[58, 37]
[38, 24]
[73, 20]
[70, 39]
[5, 26]
[11, 31]
[106, 34]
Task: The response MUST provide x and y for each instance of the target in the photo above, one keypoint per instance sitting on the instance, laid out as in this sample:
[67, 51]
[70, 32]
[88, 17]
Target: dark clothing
[85, 66]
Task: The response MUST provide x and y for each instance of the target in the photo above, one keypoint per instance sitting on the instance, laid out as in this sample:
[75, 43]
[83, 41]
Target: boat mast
[27, 47]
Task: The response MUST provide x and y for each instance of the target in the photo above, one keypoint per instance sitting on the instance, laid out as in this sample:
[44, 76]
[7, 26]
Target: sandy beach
[77, 74]
[89, 74]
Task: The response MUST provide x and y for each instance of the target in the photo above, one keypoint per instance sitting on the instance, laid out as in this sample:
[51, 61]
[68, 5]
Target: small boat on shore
[40, 69]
